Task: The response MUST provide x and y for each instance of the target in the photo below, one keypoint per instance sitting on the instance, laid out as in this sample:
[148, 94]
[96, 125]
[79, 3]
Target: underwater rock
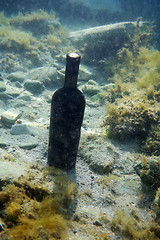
[46, 75]
[149, 171]
[17, 77]
[127, 184]
[39, 22]
[3, 143]
[13, 91]
[20, 129]
[26, 96]
[90, 88]
[102, 41]
[34, 86]
[30, 145]
[5, 96]
[152, 143]
[101, 167]
[102, 161]
[8, 118]
[84, 73]
[108, 86]
[156, 203]
[2, 87]
[96, 31]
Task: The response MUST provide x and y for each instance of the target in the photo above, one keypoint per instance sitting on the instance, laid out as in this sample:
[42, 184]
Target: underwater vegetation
[36, 209]
[32, 34]
[133, 227]
[133, 107]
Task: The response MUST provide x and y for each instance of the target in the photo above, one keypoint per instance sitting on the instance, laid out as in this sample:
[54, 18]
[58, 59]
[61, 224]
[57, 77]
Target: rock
[84, 73]
[1, 78]
[17, 77]
[149, 171]
[26, 96]
[5, 96]
[103, 41]
[92, 82]
[30, 145]
[20, 129]
[18, 84]
[13, 91]
[96, 99]
[9, 117]
[46, 75]
[34, 86]
[37, 25]
[130, 184]
[90, 89]
[2, 86]
[99, 30]
[3, 143]
[156, 203]
[101, 167]
[108, 86]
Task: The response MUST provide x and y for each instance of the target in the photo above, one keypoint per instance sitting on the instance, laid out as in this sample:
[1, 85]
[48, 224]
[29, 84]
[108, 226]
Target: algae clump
[133, 103]
[37, 209]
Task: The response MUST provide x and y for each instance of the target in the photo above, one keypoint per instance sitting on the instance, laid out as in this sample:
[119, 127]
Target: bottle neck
[72, 69]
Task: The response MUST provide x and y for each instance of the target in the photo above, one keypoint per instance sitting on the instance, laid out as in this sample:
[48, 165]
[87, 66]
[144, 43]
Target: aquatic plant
[30, 36]
[4, 21]
[132, 226]
[133, 102]
[131, 116]
[156, 204]
[17, 39]
[149, 171]
[31, 210]
[34, 15]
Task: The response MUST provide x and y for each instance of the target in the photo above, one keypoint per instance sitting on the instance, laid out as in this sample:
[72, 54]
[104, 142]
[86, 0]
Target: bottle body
[67, 111]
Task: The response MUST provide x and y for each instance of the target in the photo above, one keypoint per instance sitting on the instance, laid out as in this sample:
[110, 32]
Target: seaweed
[133, 103]
[32, 34]
[132, 226]
[32, 210]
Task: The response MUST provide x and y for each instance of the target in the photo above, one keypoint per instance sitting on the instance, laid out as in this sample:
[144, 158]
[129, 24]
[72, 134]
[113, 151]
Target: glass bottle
[67, 111]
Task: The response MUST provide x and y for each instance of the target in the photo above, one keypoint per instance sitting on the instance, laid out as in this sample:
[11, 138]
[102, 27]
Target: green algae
[34, 207]
[134, 101]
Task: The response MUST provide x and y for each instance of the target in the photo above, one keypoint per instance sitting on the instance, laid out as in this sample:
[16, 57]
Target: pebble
[84, 73]
[20, 129]
[90, 89]
[2, 86]
[26, 96]
[34, 86]
[46, 75]
[5, 96]
[9, 118]
[17, 76]
[13, 91]
[28, 146]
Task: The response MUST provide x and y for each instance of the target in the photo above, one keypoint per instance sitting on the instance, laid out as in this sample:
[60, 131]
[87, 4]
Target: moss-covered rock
[34, 86]
[149, 171]
[131, 116]
[134, 101]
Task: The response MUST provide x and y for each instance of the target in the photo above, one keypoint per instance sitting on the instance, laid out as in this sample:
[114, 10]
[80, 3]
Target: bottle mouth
[73, 55]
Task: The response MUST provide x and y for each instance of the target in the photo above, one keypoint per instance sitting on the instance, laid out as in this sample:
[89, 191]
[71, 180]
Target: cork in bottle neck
[72, 69]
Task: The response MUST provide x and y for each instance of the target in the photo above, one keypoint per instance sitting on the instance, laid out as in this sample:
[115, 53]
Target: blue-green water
[113, 193]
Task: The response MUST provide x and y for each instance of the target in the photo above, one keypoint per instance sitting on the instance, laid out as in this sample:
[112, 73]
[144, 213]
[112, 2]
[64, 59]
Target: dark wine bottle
[67, 111]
